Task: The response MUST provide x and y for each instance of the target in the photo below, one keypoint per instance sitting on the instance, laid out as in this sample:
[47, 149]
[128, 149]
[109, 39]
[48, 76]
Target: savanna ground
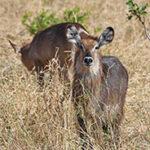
[30, 119]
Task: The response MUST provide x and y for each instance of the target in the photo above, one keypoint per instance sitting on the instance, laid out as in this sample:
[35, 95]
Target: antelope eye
[81, 46]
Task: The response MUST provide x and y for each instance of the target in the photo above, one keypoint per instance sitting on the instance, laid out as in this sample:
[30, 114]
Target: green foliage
[41, 21]
[45, 19]
[136, 10]
[75, 15]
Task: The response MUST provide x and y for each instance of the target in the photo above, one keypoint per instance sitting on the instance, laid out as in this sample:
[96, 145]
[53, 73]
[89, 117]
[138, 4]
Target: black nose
[88, 60]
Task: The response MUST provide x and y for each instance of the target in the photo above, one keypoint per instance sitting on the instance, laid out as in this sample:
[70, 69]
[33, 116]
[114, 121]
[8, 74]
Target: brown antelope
[103, 78]
[45, 45]
[99, 83]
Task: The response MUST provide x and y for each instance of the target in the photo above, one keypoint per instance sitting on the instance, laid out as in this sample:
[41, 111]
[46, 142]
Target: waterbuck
[46, 45]
[99, 83]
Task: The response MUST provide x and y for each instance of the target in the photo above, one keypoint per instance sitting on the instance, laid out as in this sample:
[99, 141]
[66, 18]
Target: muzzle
[88, 60]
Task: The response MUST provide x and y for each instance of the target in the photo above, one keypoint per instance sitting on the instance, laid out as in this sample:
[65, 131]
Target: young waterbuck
[99, 84]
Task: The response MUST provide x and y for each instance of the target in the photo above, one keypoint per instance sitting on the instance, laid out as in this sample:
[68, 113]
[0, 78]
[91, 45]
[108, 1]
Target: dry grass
[30, 119]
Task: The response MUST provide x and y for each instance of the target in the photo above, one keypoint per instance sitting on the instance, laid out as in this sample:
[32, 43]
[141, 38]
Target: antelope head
[86, 54]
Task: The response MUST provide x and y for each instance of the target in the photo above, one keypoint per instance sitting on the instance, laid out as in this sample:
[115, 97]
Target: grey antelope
[99, 83]
[45, 45]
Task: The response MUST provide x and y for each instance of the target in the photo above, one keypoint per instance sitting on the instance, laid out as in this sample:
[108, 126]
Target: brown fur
[46, 44]
[25, 58]
[98, 91]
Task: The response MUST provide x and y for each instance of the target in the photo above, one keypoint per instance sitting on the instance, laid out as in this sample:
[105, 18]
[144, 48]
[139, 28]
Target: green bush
[45, 19]
[41, 21]
[75, 15]
[136, 10]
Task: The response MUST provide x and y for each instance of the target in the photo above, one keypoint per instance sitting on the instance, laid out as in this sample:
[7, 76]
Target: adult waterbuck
[99, 84]
[46, 45]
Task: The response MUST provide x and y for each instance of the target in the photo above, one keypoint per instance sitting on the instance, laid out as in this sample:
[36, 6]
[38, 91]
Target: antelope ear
[73, 36]
[14, 46]
[106, 37]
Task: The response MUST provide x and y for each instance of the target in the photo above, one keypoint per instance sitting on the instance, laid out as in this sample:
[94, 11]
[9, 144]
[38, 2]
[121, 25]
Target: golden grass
[30, 119]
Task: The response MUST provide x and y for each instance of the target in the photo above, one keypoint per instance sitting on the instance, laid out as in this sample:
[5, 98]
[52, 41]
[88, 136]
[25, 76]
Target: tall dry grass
[30, 119]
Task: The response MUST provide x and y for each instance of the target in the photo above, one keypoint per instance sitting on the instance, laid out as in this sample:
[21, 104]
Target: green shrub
[41, 21]
[75, 15]
[45, 19]
[136, 10]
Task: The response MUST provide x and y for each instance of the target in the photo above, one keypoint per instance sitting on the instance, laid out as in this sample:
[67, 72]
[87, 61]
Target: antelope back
[47, 44]
[53, 42]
